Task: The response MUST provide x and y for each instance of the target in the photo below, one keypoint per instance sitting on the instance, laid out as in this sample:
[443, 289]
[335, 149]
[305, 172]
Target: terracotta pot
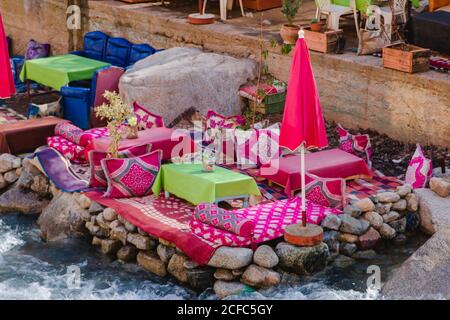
[317, 27]
[289, 33]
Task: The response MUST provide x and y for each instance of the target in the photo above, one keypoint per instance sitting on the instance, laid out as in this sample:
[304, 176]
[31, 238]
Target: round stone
[265, 257]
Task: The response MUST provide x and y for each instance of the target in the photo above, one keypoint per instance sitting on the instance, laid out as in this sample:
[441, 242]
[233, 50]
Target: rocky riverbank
[388, 217]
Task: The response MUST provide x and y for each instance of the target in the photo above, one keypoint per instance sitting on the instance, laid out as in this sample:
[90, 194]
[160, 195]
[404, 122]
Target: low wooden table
[26, 135]
[188, 181]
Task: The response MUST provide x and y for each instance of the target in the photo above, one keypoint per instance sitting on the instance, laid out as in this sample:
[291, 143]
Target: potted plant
[316, 25]
[289, 31]
[116, 112]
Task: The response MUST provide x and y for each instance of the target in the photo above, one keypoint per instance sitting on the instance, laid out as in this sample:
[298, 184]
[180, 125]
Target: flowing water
[32, 269]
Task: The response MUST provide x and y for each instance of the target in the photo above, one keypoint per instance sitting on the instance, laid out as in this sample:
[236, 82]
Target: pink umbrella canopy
[303, 125]
[6, 79]
[302, 119]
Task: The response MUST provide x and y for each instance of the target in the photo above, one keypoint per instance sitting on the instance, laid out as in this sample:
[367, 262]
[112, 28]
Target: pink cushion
[325, 192]
[77, 135]
[131, 177]
[68, 149]
[358, 145]
[98, 178]
[215, 122]
[212, 215]
[420, 169]
[246, 143]
[146, 119]
[255, 148]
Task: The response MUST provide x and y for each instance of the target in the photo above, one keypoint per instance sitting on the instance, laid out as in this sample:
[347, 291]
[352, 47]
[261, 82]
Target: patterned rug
[356, 189]
[8, 115]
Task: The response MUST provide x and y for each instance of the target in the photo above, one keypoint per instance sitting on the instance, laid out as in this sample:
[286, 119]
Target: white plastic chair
[332, 11]
[224, 5]
[398, 9]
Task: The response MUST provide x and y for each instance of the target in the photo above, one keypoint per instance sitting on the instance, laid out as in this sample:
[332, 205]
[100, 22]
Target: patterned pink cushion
[218, 236]
[146, 119]
[215, 122]
[358, 145]
[420, 169]
[98, 178]
[214, 216]
[268, 145]
[246, 143]
[325, 192]
[131, 177]
[77, 135]
[68, 149]
[255, 148]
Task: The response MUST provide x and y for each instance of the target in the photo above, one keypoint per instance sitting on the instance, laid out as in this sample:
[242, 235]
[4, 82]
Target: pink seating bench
[170, 141]
[333, 163]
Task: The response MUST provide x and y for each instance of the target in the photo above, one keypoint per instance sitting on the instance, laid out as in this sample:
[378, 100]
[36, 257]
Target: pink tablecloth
[333, 163]
[172, 142]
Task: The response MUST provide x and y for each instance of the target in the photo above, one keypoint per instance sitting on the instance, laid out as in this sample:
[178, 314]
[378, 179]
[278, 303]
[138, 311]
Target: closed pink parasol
[303, 124]
[6, 79]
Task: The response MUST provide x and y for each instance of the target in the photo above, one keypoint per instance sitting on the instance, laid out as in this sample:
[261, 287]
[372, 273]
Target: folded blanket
[77, 135]
[212, 215]
[218, 236]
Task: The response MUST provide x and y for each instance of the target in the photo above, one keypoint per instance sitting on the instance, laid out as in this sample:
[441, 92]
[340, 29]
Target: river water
[32, 269]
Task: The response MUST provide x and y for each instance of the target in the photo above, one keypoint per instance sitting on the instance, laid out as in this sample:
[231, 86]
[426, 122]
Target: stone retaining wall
[348, 237]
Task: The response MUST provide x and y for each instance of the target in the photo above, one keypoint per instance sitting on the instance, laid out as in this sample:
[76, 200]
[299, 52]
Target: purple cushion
[37, 50]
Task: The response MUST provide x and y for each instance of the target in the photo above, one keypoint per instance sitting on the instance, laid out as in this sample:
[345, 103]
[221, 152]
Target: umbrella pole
[302, 172]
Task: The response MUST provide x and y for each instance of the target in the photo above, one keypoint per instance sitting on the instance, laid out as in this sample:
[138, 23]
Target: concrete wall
[355, 91]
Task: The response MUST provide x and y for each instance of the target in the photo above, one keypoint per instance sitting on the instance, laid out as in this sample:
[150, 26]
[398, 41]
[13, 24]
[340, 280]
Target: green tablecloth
[362, 5]
[189, 182]
[58, 71]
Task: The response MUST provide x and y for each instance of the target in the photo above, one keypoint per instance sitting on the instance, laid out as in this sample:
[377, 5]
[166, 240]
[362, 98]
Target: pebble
[353, 210]
[365, 204]
[332, 222]
[374, 219]
[265, 257]
[400, 205]
[388, 197]
[391, 216]
[387, 232]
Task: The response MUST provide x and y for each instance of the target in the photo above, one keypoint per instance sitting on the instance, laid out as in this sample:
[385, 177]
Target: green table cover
[189, 182]
[361, 5]
[58, 71]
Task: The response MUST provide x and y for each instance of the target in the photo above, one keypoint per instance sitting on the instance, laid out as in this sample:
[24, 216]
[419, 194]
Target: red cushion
[358, 145]
[131, 177]
[98, 178]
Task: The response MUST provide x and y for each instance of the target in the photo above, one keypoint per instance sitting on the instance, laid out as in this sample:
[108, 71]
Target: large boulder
[62, 218]
[434, 211]
[175, 80]
[17, 199]
[425, 273]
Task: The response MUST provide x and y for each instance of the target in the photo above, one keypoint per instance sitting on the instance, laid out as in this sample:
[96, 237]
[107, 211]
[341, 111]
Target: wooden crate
[406, 58]
[322, 41]
[260, 5]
